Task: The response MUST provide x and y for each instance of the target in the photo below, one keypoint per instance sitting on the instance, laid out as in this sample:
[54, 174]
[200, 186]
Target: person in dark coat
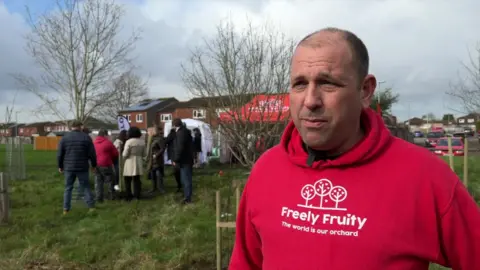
[156, 162]
[77, 188]
[183, 157]
[169, 142]
[75, 155]
[197, 146]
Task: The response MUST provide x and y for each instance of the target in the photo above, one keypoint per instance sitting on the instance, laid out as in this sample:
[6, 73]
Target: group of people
[78, 154]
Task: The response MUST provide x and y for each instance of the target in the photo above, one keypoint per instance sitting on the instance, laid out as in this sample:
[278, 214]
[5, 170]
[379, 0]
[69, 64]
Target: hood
[100, 139]
[377, 138]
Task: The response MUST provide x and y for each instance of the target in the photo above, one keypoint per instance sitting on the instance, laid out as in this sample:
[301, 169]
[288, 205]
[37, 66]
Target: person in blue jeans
[75, 155]
[183, 157]
[77, 189]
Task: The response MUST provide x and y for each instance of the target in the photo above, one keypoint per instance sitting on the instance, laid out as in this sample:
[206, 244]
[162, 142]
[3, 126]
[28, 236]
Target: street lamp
[16, 123]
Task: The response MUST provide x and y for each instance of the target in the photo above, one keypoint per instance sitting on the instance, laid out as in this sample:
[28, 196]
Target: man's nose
[313, 97]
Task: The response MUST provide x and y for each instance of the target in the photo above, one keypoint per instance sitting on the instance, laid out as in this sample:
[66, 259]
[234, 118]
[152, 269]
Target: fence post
[465, 162]
[4, 199]
[219, 232]
[450, 153]
[237, 199]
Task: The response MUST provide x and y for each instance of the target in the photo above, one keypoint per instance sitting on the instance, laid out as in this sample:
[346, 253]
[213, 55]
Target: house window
[470, 120]
[21, 130]
[166, 117]
[221, 110]
[199, 114]
[461, 120]
[128, 117]
[47, 129]
[139, 118]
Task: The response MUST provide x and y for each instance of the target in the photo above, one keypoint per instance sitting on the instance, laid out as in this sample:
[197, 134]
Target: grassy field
[149, 234]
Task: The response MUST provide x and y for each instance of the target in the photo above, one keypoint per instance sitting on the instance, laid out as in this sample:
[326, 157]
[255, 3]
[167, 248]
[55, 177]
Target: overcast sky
[416, 46]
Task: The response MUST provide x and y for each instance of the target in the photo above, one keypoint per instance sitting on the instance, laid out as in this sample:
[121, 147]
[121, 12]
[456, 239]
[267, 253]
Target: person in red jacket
[340, 192]
[106, 155]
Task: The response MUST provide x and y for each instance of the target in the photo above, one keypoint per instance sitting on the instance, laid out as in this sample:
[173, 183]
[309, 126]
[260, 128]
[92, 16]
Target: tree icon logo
[330, 195]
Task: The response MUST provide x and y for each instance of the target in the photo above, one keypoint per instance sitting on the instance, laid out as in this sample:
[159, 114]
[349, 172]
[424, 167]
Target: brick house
[6, 129]
[144, 114]
[63, 126]
[196, 108]
[469, 119]
[56, 126]
[33, 129]
[16, 130]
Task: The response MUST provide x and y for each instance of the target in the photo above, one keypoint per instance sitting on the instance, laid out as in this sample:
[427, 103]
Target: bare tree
[126, 90]
[9, 110]
[78, 50]
[232, 68]
[467, 88]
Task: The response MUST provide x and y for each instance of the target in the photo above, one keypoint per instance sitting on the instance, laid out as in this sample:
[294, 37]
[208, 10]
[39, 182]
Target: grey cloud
[12, 54]
[417, 48]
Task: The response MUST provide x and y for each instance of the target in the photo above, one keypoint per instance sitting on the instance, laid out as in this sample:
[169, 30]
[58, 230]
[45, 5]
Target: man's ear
[367, 90]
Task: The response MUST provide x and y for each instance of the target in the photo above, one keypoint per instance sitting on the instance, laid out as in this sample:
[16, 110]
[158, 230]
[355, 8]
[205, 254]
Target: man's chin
[317, 143]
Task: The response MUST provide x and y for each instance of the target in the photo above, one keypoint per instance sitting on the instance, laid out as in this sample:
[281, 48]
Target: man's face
[326, 95]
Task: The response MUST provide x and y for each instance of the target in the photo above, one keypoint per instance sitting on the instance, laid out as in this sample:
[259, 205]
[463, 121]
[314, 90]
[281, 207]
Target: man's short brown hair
[361, 59]
[103, 132]
[177, 122]
[76, 124]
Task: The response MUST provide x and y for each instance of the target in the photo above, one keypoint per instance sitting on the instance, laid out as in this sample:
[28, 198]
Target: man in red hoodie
[106, 154]
[343, 193]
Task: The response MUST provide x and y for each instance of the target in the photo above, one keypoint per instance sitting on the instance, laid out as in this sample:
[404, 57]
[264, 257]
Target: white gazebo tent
[207, 137]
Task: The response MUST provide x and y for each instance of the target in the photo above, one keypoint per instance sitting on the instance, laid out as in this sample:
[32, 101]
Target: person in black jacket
[183, 157]
[197, 147]
[75, 155]
[77, 188]
[169, 142]
[156, 162]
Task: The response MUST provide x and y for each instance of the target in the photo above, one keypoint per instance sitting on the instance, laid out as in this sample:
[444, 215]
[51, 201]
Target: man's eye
[326, 83]
[300, 85]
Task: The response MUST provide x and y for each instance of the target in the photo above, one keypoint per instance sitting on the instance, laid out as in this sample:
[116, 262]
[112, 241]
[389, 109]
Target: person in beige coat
[134, 152]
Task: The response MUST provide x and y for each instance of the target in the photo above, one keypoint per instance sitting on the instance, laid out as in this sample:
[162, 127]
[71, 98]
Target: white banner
[123, 123]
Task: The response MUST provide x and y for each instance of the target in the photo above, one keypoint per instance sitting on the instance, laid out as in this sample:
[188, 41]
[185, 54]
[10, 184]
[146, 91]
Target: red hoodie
[384, 205]
[106, 152]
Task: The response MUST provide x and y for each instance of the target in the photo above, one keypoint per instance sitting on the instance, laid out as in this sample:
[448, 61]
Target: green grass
[149, 234]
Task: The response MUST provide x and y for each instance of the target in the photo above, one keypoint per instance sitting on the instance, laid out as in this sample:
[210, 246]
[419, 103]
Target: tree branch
[466, 90]
[78, 51]
[236, 66]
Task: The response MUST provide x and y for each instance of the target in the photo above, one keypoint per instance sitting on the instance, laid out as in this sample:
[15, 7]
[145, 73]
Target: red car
[432, 138]
[441, 149]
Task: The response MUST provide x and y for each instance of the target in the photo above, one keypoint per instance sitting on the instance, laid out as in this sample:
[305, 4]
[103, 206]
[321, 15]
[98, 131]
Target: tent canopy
[205, 130]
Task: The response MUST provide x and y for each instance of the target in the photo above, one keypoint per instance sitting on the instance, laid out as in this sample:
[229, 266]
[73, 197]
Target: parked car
[459, 135]
[418, 134]
[441, 149]
[438, 129]
[432, 138]
[468, 132]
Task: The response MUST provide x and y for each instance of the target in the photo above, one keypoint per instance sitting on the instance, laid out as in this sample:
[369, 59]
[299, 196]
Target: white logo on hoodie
[323, 195]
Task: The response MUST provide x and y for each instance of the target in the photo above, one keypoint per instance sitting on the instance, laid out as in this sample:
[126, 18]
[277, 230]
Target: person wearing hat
[75, 155]
[183, 157]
